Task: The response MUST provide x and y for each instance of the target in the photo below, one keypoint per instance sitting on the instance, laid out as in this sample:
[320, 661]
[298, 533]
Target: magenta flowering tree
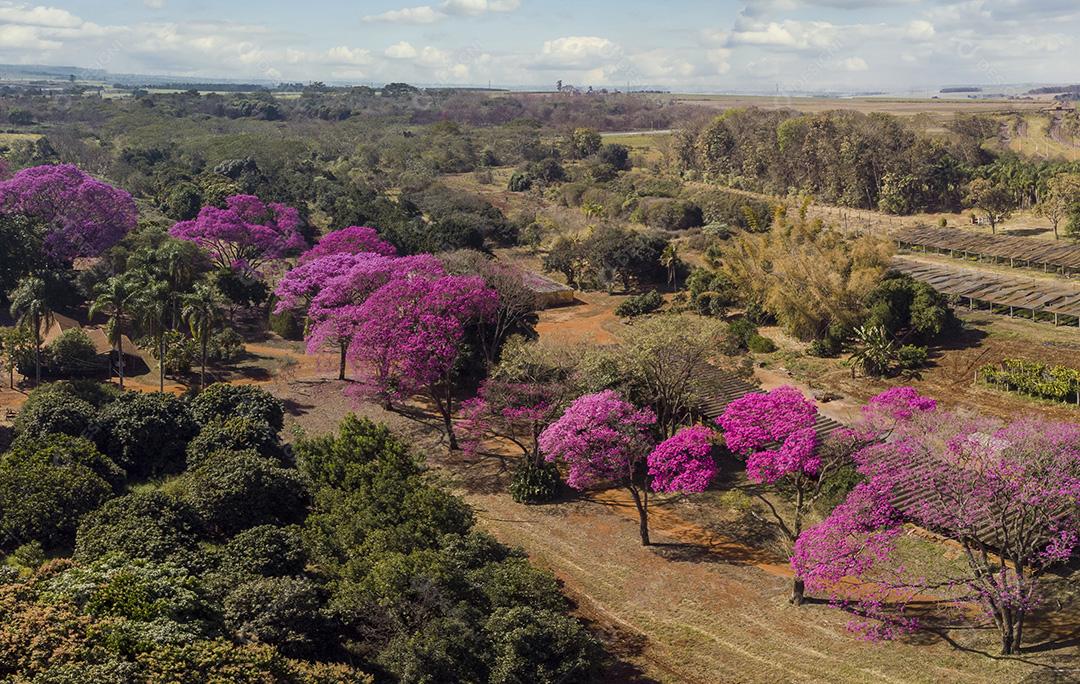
[246, 234]
[513, 411]
[1008, 494]
[684, 461]
[82, 216]
[351, 240]
[775, 433]
[604, 438]
[412, 333]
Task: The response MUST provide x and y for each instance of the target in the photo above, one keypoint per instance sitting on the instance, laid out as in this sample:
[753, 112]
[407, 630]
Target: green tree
[153, 309]
[31, 309]
[1062, 197]
[202, 311]
[114, 297]
[585, 142]
[992, 199]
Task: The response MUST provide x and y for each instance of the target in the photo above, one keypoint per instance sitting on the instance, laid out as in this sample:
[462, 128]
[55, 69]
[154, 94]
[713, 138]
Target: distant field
[8, 138]
[900, 106]
[1033, 139]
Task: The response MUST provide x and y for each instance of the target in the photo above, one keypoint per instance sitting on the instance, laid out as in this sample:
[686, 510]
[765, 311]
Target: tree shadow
[619, 645]
[295, 408]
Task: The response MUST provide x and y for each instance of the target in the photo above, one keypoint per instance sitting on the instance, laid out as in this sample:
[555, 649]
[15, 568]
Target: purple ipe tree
[602, 438]
[82, 216]
[246, 235]
[517, 412]
[1008, 494]
[411, 336]
[351, 240]
[775, 433]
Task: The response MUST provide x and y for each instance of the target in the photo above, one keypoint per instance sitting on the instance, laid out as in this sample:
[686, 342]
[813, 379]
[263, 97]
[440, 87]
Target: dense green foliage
[239, 566]
[1033, 378]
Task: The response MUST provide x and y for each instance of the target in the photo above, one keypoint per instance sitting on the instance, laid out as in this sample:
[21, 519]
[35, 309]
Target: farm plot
[1039, 299]
[1016, 251]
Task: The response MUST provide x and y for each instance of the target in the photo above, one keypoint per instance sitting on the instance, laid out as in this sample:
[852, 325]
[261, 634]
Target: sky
[794, 46]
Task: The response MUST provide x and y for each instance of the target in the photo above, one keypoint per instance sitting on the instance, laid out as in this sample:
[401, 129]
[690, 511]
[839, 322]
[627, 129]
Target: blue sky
[721, 45]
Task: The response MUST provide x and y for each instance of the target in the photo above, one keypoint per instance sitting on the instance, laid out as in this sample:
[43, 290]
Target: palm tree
[114, 297]
[154, 308]
[30, 308]
[202, 311]
[873, 350]
[669, 259]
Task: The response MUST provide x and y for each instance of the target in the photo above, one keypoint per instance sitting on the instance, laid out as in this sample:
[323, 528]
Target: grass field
[899, 106]
[1033, 139]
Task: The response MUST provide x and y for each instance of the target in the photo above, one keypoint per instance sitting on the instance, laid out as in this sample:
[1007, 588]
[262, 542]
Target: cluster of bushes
[608, 254]
[188, 545]
[1034, 378]
[639, 305]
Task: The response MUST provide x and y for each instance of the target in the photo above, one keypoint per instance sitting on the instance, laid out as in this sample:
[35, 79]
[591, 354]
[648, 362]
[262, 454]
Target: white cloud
[51, 17]
[854, 64]
[578, 52]
[919, 30]
[154, 4]
[429, 14]
[402, 50]
[798, 35]
[408, 15]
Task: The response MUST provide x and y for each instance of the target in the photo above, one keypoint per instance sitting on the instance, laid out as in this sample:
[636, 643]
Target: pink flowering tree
[602, 438]
[412, 334]
[82, 216]
[1009, 495]
[351, 240]
[516, 412]
[775, 433]
[245, 235]
[683, 462]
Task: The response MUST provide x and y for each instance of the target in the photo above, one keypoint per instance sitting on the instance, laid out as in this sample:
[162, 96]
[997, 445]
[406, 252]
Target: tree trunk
[120, 359]
[798, 592]
[446, 406]
[341, 360]
[161, 364]
[642, 503]
[37, 351]
[202, 373]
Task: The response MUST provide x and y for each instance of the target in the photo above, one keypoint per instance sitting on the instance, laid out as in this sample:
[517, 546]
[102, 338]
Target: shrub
[616, 155]
[232, 491]
[823, 349]
[63, 450]
[520, 181]
[759, 344]
[670, 214]
[514, 582]
[911, 357]
[53, 411]
[639, 305]
[72, 353]
[119, 587]
[1057, 383]
[742, 330]
[541, 646]
[287, 325]
[283, 611]
[146, 433]
[232, 434]
[360, 452]
[212, 662]
[41, 500]
[149, 525]
[264, 551]
[225, 346]
[442, 649]
[534, 483]
[244, 401]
